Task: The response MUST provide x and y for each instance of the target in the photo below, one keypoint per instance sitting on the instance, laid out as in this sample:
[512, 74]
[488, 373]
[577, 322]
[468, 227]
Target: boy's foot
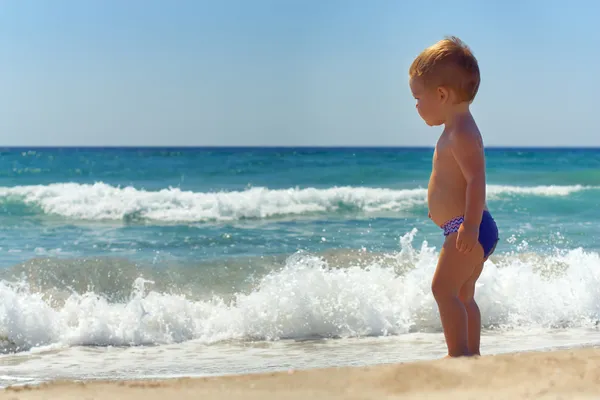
[464, 355]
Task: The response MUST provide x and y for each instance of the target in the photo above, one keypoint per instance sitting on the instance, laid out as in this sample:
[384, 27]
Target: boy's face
[429, 102]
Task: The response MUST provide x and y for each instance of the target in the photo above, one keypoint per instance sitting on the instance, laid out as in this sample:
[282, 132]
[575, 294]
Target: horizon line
[283, 147]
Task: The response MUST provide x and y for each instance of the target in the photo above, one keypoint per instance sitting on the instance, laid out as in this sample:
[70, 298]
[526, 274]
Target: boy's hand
[467, 238]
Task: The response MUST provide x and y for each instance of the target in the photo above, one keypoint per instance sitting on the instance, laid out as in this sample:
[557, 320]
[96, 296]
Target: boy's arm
[468, 152]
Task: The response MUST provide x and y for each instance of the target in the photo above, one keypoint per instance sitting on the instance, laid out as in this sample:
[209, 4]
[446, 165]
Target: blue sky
[287, 72]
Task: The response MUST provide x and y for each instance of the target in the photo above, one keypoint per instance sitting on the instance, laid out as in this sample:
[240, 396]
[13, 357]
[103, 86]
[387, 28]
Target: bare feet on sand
[465, 355]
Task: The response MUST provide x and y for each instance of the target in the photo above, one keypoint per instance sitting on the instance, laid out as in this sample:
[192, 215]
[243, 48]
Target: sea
[137, 263]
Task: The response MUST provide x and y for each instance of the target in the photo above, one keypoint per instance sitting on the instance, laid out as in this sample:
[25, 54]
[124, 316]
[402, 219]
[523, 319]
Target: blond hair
[448, 63]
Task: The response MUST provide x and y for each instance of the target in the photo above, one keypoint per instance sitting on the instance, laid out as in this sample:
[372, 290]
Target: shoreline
[573, 373]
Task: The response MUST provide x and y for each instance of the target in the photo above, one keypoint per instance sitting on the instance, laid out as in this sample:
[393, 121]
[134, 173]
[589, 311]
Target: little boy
[444, 80]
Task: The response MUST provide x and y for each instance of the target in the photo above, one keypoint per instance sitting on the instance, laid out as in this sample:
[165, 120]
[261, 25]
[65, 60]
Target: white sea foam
[496, 191]
[101, 201]
[308, 298]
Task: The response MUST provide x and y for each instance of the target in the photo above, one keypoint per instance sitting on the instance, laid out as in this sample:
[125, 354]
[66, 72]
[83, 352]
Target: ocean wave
[309, 298]
[101, 201]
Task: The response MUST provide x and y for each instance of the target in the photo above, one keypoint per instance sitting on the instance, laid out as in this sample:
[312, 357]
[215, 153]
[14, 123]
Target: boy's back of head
[448, 63]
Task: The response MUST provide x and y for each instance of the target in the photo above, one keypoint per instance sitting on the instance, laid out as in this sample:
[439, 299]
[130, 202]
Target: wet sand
[561, 374]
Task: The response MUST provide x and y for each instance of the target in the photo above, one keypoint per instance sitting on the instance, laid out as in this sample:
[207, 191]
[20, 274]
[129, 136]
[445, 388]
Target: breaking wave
[309, 297]
[100, 201]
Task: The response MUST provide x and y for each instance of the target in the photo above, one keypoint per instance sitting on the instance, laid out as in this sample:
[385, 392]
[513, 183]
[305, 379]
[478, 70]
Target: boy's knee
[441, 290]
[466, 300]
[467, 293]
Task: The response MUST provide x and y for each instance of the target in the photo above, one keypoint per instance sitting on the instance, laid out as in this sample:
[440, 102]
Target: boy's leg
[467, 297]
[453, 270]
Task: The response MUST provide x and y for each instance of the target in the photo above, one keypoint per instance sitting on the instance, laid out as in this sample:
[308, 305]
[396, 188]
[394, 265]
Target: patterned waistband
[452, 225]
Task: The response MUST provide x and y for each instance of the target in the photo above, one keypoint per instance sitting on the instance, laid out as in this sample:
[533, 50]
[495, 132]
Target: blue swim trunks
[488, 231]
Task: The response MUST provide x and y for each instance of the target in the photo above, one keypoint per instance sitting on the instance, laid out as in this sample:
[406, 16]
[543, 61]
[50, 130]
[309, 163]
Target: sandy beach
[561, 374]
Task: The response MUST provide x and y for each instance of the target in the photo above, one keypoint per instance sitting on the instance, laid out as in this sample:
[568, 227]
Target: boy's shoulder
[466, 146]
[465, 135]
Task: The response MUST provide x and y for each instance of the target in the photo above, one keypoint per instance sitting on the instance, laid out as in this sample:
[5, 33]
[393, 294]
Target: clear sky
[287, 72]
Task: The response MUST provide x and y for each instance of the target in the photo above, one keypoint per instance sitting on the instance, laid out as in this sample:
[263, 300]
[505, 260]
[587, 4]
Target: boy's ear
[443, 94]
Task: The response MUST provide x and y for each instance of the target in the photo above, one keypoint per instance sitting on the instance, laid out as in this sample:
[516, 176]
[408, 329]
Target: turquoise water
[210, 247]
[191, 205]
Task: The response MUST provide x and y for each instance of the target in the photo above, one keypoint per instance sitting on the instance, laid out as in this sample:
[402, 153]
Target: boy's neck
[456, 113]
